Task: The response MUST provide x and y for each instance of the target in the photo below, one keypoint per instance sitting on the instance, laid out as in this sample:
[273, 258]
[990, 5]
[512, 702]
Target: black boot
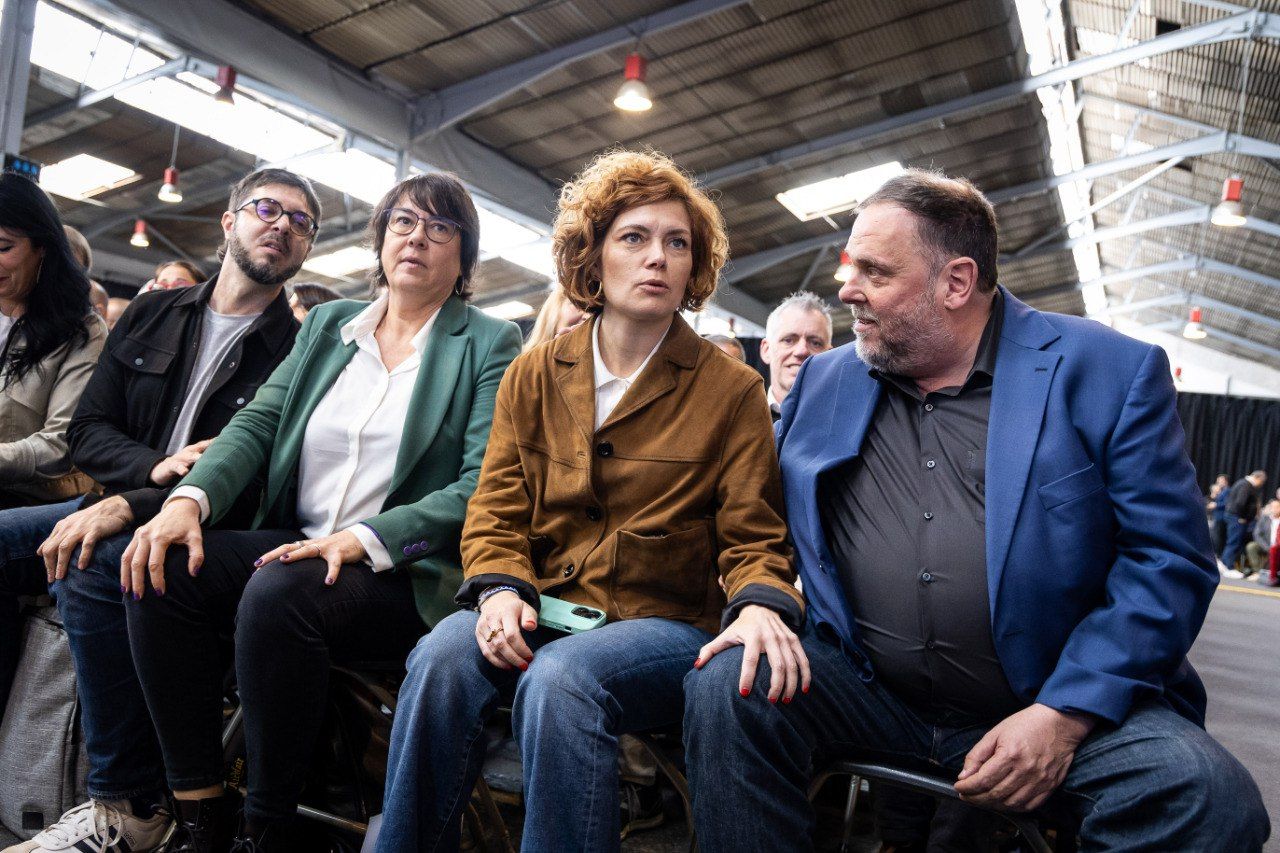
[269, 838]
[205, 826]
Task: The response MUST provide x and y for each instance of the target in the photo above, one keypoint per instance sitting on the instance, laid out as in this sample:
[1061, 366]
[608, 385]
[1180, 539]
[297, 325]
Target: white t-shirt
[218, 335]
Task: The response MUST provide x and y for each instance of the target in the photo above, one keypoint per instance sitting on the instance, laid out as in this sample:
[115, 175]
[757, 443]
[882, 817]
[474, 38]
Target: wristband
[492, 591]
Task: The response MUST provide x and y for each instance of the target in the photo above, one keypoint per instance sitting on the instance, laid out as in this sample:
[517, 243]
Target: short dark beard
[907, 343]
[264, 274]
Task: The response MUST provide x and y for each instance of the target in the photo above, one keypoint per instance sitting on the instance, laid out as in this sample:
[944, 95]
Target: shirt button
[231, 364]
[928, 407]
[568, 570]
[926, 577]
[930, 645]
[239, 401]
[928, 516]
[138, 362]
[594, 513]
[604, 449]
[930, 464]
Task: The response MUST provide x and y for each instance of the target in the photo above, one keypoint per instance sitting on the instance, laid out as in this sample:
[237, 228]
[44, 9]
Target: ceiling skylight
[509, 310]
[79, 51]
[837, 194]
[354, 172]
[84, 176]
[342, 262]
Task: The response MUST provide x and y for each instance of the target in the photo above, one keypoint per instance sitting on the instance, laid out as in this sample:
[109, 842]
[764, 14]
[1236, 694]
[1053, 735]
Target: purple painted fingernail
[160, 592]
[122, 589]
[328, 581]
[257, 562]
[137, 597]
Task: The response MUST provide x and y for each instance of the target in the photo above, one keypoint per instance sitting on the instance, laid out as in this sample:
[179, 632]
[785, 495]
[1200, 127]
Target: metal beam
[1186, 263]
[94, 96]
[741, 268]
[1247, 343]
[192, 197]
[1250, 24]
[1217, 143]
[443, 109]
[1145, 304]
[302, 75]
[17, 24]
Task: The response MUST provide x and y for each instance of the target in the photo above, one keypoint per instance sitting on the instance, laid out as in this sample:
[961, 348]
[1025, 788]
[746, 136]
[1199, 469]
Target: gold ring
[495, 632]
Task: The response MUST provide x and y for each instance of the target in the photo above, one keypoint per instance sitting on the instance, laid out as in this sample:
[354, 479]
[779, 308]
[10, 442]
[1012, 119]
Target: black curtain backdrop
[1232, 436]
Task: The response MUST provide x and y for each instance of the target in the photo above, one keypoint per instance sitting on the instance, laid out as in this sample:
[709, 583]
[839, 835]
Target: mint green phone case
[567, 616]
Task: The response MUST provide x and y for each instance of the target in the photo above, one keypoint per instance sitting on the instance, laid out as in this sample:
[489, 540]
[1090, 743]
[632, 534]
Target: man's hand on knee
[177, 524]
[84, 529]
[1021, 761]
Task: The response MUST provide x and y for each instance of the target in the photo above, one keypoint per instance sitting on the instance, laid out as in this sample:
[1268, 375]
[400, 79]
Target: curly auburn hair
[619, 180]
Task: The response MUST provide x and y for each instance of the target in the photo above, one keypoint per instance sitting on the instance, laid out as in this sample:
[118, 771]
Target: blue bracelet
[494, 590]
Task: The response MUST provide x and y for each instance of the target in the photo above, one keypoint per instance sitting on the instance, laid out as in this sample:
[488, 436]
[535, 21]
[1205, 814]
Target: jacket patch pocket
[1074, 486]
[664, 575]
[141, 358]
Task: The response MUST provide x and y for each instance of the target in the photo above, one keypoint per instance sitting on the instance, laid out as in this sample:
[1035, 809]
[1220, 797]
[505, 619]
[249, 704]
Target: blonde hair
[619, 180]
[544, 328]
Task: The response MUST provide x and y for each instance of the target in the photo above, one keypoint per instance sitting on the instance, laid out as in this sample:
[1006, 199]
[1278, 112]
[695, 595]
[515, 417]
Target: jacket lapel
[1019, 393]
[679, 350]
[575, 377]
[442, 361]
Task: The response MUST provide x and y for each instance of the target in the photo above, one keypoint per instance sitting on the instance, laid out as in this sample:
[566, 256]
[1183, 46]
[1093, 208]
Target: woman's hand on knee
[503, 616]
[760, 631]
[177, 524]
[335, 549]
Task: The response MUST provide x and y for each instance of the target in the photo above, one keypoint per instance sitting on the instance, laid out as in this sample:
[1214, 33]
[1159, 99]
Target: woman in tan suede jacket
[630, 469]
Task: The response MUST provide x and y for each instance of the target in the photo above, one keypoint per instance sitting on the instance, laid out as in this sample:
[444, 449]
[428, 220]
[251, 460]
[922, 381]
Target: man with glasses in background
[153, 405]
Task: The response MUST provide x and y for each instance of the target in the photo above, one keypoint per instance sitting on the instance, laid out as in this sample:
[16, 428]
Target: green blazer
[440, 453]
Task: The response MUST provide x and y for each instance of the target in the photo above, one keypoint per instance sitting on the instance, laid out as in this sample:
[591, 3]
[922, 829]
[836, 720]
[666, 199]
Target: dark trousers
[1155, 782]
[288, 628]
[22, 572]
[1238, 531]
[1218, 532]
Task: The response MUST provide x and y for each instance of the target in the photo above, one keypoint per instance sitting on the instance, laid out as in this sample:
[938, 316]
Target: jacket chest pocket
[666, 575]
[1072, 487]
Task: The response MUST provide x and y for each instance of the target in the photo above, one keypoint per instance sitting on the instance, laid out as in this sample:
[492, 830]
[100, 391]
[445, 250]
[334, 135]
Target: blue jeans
[1156, 782]
[22, 529]
[124, 756]
[578, 695]
[1238, 532]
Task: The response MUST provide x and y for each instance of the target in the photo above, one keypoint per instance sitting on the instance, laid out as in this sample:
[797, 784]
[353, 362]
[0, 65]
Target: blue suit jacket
[1099, 569]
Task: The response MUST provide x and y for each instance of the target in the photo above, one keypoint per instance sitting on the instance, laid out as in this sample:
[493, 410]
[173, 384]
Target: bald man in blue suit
[1004, 557]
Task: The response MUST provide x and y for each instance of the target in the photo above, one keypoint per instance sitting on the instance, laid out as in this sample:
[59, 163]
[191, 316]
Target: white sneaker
[1222, 567]
[1234, 574]
[100, 827]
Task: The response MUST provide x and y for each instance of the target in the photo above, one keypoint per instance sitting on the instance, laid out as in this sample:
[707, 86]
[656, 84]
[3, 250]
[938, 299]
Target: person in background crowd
[307, 295]
[1216, 505]
[1242, 508]
[49, 342]
[115, 310]
[673, 487]
[798, 328]
[557, 316]
[1258, 552]
[1019, 618]
[171, 275]
[98, 295]
[372, 433]
[177, 367]
[729, 346]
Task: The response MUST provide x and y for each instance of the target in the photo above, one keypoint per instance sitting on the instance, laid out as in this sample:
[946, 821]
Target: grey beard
[908, 343]
[263, 273]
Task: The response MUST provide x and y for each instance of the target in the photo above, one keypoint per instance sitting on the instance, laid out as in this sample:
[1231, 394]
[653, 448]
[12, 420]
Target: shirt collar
[362, 326]
[602, 374]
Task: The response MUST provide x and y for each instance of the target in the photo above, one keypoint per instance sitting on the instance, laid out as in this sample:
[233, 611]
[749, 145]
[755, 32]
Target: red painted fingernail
[804, 689]
[786, 700]
[524, 667]
[773, 700]
[745, 691]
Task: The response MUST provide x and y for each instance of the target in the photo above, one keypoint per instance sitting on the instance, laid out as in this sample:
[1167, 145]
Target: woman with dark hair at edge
[49, 342]
[371, 432]
[630, 470]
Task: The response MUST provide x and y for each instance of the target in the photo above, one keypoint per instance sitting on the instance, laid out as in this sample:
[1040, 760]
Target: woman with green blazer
[371, 433]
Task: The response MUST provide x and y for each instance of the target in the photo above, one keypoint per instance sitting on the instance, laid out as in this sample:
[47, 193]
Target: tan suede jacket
[679, 487]
[34, 413]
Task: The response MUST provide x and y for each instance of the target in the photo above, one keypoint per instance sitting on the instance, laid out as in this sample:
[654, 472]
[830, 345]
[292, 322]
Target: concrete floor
[1237, 658]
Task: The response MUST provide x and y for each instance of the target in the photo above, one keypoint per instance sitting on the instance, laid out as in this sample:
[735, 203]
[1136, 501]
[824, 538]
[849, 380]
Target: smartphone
[567, 616]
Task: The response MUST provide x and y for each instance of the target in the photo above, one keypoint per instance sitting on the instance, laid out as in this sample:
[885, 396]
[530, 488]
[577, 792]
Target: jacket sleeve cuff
[473, 586]
[765, 596]
[144, 503]
[379, 556]
[196, 494]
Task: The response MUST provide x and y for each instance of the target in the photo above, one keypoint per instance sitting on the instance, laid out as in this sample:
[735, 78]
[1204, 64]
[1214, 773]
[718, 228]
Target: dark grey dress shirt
[906, 522]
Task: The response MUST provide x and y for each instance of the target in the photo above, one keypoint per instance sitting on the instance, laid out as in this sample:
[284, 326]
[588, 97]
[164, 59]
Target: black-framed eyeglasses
[439, 229]
[269, 210]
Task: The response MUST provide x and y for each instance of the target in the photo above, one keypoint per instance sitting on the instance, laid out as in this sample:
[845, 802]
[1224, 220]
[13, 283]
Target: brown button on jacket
[679, 487]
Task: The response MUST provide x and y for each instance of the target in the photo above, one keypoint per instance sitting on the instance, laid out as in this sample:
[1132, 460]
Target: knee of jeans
[555, 679]
[271, 599]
